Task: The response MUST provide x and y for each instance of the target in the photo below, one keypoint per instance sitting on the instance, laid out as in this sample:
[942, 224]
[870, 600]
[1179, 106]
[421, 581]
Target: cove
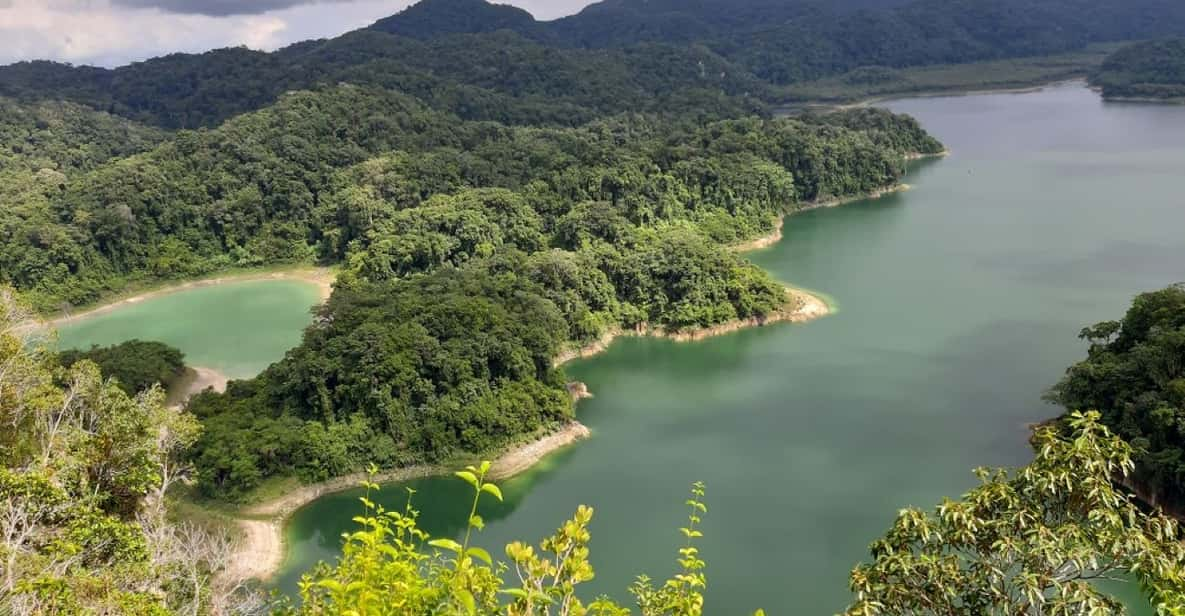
[960, 303]
[237, 328]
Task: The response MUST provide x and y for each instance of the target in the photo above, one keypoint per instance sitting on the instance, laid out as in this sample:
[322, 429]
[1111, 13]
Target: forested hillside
[483, 61]
[454, 232]
[1154, 70]
[475, 253]
[84, 472]
[496, 192]
[1134, 373]
[784, 41]
[497, 76]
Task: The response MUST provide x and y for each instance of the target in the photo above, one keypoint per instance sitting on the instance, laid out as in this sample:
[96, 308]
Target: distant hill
[484, 61]
[1154, 70]
[433, 18]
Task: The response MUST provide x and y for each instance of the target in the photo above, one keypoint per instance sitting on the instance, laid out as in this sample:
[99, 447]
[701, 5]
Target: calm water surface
[237, 328]
[960, 302]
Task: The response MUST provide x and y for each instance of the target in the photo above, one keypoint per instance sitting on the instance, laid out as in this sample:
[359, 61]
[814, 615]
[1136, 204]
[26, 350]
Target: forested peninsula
[475, 254]
[1151, 71]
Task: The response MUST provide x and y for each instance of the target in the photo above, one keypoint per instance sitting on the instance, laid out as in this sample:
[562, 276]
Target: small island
[1153, 71]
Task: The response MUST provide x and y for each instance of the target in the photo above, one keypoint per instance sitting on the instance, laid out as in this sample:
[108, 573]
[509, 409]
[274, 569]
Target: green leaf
[331, 585]
[467, 599]
[479, 554]
[469, 478]
[446, 544]
[490, 488]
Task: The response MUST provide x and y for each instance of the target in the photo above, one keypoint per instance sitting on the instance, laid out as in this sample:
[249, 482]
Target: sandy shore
[802, 306]
[322, 278]
[775, 236]
[765, 241]
[260, 552]
[195, 381]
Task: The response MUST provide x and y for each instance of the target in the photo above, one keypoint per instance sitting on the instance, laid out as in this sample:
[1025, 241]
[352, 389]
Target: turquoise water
[962, 300]
[236, 328]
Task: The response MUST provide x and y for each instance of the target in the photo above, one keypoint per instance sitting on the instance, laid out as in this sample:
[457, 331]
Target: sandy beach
[196, 380]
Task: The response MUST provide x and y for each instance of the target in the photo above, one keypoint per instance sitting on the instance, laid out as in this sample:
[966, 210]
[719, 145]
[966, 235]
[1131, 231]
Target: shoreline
[195, 380]
[260, 551]
[941, 93]
[807, 308]
[775, 236]
[1144, 100]
[321, 278]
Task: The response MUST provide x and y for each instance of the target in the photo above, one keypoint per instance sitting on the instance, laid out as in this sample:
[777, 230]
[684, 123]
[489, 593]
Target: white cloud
[102, 33]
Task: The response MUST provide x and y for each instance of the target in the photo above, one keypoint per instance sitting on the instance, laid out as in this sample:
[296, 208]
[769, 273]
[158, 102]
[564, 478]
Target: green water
[960, 304]
[236, 328]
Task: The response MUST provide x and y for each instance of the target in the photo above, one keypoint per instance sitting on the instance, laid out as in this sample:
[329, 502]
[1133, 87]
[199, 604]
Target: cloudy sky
[115, 32]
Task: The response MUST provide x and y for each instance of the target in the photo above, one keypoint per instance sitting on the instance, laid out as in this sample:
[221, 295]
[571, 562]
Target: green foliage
[863, 83]
[66, 137]
[473, 254]
[82, 469]
[898, 132]
[788, 42]
[708, 59]
[135, 365]
[1134, 373]
[391, 566]
[1150, 70]
[1032, 541]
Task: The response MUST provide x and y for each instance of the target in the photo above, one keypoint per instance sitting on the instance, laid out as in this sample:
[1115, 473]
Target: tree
[1134, 373]
[1034, 541]
[136, 365]
[84, 469]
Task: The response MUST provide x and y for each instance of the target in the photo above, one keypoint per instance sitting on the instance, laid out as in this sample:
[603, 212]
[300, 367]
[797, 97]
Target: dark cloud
[218, 8]
[543, 9]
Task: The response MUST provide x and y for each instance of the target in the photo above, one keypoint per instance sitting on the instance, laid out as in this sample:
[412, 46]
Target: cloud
[96, 32]
[115, 32]
[219, 8]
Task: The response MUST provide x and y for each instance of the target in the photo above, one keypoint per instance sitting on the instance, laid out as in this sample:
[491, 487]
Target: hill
[486, 61]
[1154, 70]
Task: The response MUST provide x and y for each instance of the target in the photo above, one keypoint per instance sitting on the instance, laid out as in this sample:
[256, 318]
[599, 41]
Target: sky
[115, 32]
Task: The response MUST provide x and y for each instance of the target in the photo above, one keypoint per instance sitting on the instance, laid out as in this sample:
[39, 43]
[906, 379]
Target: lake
[236, 328]
[959, 303]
